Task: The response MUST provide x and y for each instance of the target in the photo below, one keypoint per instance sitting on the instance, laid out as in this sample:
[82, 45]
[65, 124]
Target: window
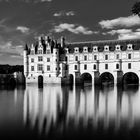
[75, 67]
[40, 51]
[117, 66]
[66, 67]
[117, 56]
[85, 67]
[94, 67]
[106, 66]
[32, 52]
[85, 57]
[32, 59]
[129, 56]
[129, 65]
[48, 67]
[32, 68]
[66, 58]
[48, 59]
[40, 58]
[56, 60]
[48, 52]
[40, 67]
[106, 57]
[76, 58]
[95, 57]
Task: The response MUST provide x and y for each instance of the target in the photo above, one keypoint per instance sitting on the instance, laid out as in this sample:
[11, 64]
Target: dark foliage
[136, 9]
[7, 69]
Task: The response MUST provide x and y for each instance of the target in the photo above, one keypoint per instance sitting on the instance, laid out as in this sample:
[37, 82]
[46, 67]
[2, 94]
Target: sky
[22, 21]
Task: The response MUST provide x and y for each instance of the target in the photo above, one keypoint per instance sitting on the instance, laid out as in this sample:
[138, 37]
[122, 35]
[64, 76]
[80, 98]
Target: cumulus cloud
[129, 21]
[124, 33]
[76, 29]
[64, 13]
[23, 29]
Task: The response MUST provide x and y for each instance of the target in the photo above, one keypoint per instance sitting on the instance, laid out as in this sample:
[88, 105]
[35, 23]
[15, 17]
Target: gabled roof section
[101, 44]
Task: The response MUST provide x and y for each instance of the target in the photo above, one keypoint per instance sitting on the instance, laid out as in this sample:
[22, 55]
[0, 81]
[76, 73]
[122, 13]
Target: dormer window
[32, 52]
[129, 47]
[76, 50]
[118, 47]
[40, 51]
[85, 49]
[106, 48]
[66, 49]
[95, 49]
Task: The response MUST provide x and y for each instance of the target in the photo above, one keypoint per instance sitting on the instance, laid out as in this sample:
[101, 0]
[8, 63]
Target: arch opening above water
[106, 78]
[40, 80]
[130, 78]
[86, 78]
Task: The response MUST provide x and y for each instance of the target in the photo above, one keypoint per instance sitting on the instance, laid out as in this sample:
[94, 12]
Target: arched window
[117, 66]
[94, 67]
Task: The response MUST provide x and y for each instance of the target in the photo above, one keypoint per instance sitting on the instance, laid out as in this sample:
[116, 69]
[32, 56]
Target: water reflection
[61, 110]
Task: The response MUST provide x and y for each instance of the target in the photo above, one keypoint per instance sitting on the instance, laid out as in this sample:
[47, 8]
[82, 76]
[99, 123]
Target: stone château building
[114, 61]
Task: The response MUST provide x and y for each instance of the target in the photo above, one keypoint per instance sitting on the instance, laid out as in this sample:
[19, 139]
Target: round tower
[62, 42]
[56, 59]
[25, 60]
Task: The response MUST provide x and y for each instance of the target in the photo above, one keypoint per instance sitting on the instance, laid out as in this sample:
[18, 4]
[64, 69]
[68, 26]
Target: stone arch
[130, 78]
[40, 80]
[86, 78]
[106, 78]
[71, 79]
[12, 82]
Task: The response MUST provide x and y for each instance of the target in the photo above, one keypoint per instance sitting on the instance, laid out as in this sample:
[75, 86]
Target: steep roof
[101, 44]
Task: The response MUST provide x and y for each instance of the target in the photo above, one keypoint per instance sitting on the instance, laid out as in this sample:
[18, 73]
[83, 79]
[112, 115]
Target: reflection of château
[48, 61]
[56, 108]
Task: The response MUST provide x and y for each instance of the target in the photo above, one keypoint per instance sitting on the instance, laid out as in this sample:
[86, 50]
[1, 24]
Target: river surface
[55, 112]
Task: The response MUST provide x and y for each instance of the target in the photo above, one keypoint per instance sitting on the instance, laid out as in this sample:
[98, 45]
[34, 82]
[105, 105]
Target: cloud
[76, 29]
[129, 21]
[64, 13]
[124, 33]
[23, 29]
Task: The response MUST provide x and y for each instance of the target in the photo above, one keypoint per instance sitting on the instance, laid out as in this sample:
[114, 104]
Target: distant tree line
[8, 69]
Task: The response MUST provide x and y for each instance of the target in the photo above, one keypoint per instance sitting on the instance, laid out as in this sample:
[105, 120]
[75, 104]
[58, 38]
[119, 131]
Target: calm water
[70, 113]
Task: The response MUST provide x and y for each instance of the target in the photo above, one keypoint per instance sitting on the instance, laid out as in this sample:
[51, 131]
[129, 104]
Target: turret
[62, 42]
[55, 59]
[25, 60]
[47, 40]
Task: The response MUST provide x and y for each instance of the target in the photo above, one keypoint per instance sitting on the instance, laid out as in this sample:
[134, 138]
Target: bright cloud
[72, 28]
[125, 33]
[64, 13]
[23, 29]
[129, 21]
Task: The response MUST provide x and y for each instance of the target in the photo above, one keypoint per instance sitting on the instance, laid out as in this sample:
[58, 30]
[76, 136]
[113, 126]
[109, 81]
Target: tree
[136, 9]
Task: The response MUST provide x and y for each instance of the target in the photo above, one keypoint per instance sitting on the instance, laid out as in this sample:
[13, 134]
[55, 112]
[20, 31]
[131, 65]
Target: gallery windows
[129, 56]
[32, 59]
[48, 67]
[32, 68]
[94, 67]
[76, 58]
[40, 58]
[117, 66]
[106, 57]
[95, 57]
[129, 65]
[75, 67]
[85, 57]
[106, 66]
[85, 67]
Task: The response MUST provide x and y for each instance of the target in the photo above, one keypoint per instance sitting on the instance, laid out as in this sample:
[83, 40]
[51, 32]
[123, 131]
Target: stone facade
[56, 61]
